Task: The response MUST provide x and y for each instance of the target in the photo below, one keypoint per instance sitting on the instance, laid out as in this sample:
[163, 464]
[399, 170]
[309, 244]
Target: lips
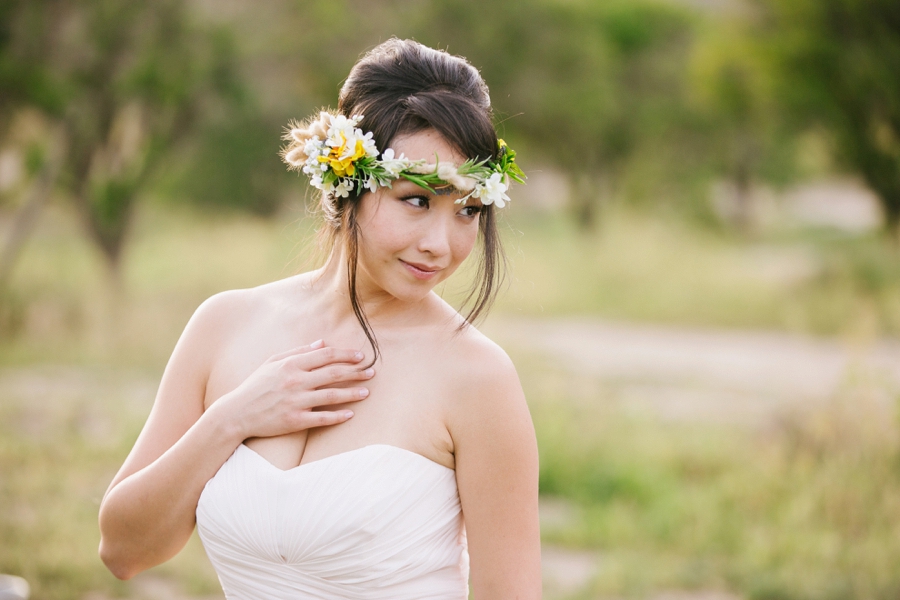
[421, 271]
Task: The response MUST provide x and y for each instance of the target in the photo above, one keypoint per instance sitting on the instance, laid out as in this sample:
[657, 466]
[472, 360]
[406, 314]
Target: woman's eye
[470, 211]
[417, 201]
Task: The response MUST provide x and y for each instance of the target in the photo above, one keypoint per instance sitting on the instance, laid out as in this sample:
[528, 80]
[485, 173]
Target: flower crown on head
[339, 158]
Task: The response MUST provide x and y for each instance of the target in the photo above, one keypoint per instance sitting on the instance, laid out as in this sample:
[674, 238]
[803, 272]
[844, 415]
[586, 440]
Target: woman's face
[411, 239]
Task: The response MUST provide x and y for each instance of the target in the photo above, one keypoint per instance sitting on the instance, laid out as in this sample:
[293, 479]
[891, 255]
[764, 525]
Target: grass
[63, 434]
[649, 269]
[806, 509]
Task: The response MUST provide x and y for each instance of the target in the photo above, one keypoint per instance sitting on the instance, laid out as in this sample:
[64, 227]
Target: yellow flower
[343, 165]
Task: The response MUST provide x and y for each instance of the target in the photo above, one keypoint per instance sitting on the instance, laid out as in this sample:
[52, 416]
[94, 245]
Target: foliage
[126, 81]
[592, 81]
[612, 93]
[838, 64]
[745, 137]
[231, 163]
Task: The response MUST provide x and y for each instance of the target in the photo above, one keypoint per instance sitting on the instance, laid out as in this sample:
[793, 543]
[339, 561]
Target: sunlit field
[804, 506]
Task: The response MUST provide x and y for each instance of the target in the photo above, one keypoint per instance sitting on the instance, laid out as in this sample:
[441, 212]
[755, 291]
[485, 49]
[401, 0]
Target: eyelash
[475, 210]
[416, 196]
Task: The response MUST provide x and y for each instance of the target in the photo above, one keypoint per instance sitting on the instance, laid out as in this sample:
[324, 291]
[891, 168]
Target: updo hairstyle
[402, 87]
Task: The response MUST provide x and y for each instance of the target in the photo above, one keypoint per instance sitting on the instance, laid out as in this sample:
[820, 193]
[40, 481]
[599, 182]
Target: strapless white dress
[377, 522]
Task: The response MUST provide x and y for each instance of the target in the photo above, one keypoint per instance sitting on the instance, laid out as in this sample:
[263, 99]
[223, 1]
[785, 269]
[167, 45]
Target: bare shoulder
[488, 394]
[228, 310]
[226, 305]
[483, 360]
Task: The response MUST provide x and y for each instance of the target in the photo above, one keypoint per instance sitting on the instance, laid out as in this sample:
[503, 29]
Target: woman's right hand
[281, 396]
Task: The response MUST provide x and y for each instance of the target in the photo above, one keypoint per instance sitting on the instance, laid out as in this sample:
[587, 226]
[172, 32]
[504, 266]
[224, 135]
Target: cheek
[379, 229]
[465, 242]
[379, 244]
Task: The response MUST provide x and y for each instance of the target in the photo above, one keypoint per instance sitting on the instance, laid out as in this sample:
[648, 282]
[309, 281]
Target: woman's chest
[406, 406]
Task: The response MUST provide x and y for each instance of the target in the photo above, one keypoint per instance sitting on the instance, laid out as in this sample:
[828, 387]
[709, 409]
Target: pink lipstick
[419, 271]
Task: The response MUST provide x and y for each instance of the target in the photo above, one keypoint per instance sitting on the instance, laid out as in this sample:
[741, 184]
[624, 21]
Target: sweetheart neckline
[346, 452]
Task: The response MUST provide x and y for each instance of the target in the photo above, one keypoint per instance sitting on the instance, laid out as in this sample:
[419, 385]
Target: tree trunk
[743, 200]
[35, 199]
[589, 192]
[744, 157]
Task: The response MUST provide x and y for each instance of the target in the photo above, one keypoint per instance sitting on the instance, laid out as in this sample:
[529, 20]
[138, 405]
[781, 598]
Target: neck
[381, 309]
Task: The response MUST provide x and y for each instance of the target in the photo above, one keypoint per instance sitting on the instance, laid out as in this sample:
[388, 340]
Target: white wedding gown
[377, 522]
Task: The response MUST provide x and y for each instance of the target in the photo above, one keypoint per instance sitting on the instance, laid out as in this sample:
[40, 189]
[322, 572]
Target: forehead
[424, 145]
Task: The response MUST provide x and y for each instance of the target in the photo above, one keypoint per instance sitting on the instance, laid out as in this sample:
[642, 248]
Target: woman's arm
[497, 474]
[148, 512]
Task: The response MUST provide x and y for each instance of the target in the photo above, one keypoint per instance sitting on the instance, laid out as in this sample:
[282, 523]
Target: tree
[838, 63]
[125, 82]
[592, 80]
[745, 136]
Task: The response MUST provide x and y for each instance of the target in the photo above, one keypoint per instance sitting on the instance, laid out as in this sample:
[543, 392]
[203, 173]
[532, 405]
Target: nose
[435, 237]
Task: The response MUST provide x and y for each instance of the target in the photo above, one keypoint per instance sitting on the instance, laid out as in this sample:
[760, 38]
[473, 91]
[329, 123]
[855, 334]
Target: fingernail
[347, 414]
[317, 344]
[363, 392]
[359, 356]
[369, 372]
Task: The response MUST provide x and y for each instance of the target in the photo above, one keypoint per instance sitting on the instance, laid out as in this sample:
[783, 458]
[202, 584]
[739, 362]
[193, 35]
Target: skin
[245, 371]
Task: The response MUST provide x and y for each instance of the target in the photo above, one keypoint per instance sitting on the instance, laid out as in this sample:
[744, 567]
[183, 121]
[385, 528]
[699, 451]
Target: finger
[298, 350]
[328, 396]
[336, 373]
[323, 418]
[317, 359]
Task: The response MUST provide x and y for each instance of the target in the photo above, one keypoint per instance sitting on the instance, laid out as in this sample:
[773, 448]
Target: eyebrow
[441, 191]
[445, 190]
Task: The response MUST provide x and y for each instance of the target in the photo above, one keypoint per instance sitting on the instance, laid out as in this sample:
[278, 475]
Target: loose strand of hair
[353, 252]
[490, 272]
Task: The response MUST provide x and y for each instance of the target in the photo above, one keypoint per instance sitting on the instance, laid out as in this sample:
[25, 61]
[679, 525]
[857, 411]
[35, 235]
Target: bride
[345, 433]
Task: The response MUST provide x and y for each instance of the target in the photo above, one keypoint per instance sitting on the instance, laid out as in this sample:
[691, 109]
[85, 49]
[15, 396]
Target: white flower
[341, 123]
[343, 132]
[313, 147]
[394, 166]
[492, 191]
[372, 184]
[369, 144]
[343, 188]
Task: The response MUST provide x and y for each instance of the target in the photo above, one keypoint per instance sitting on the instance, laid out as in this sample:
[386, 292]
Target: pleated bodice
[376, 522]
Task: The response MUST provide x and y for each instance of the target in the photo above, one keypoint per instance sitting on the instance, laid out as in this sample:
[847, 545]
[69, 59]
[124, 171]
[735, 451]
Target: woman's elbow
[117, 564]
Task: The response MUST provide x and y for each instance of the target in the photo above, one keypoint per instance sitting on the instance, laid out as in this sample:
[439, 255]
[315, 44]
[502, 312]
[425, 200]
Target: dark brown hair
[402, 87]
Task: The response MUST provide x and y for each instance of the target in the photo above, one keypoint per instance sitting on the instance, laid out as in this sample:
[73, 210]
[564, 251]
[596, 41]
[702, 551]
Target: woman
[345, 433]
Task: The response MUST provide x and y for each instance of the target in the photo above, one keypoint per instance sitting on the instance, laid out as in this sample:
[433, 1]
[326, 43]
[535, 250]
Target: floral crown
[339, 158]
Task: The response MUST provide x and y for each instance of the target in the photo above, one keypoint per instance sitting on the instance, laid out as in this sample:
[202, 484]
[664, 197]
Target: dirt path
[709, 375]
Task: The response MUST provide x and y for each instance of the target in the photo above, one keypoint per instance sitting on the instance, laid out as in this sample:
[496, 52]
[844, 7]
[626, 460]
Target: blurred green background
[703, 298]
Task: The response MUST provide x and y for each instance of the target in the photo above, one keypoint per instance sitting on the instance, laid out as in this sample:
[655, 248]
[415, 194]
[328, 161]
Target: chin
[410, 290]
[411, 293]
